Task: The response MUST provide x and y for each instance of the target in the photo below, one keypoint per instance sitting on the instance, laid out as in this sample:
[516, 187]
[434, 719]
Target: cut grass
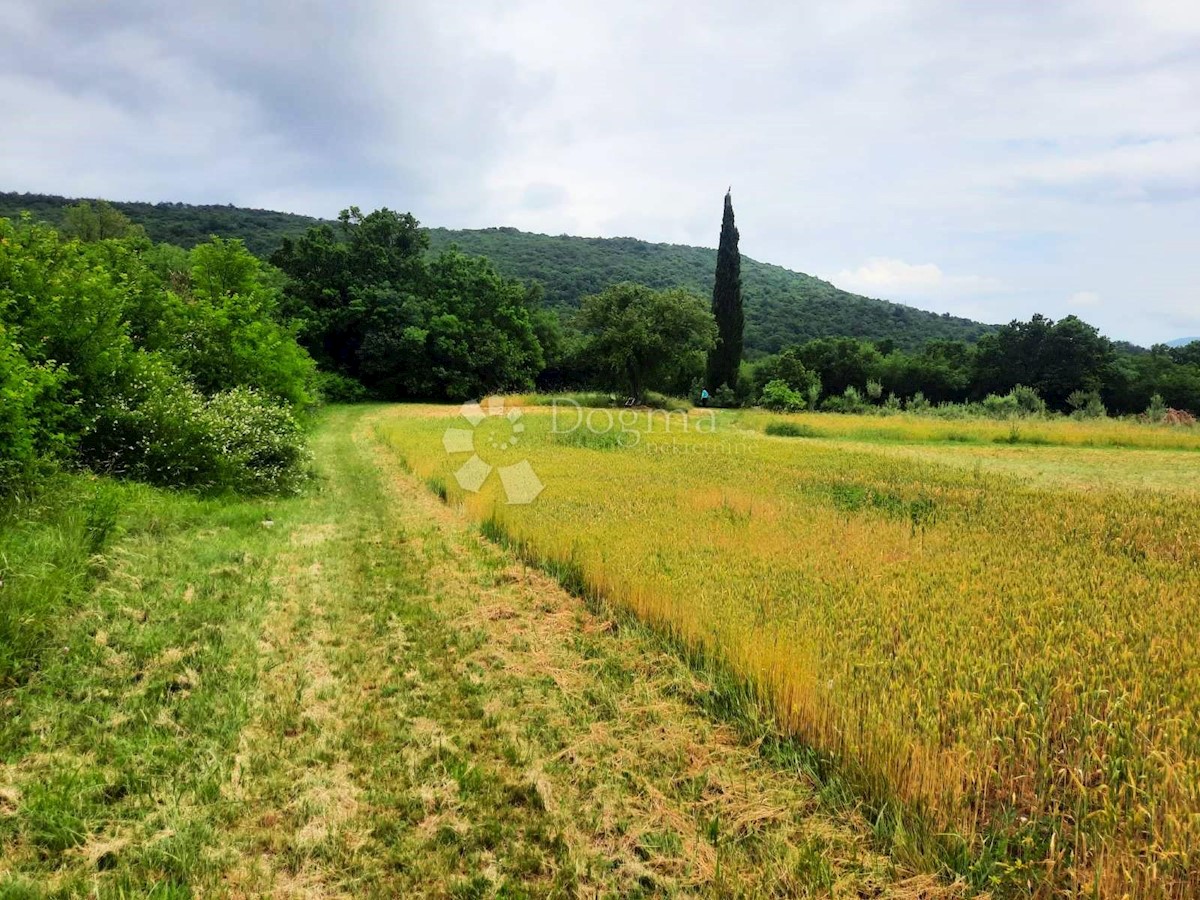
[117, 736]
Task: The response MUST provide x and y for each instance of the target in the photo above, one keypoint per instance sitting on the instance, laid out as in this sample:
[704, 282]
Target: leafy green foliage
[337, 388]
[342, 283]
[374, 309]
[224, 330]
[112, 357]
[907, 351]
[258, 444]
[180, 224]
[778, 396]
[1024, 368]
[23, 388]
[646, 339]
[97, 222]
[159, 429]
[471, 332]
[1053, 358]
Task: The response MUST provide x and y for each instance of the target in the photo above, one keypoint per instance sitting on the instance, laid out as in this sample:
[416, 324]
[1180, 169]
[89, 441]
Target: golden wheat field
[995, 634]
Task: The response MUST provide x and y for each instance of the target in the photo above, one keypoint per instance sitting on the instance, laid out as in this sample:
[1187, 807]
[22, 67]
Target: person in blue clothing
[704, 396]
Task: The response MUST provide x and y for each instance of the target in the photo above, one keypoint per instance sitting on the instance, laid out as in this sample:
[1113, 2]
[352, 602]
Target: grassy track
[351, 694]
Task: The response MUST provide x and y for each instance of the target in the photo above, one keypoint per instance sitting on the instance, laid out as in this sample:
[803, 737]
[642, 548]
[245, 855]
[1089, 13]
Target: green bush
[851, 401]
[22, 389]
[114, 357]
[1086, 404]
[257, 443]
[1000, 406]
[161, 430]
[1029, 402]
[334, 387]
[224, 334]
[789, 429]
[724, 397]
[153, 428]
[1157, 410]
[778, 396]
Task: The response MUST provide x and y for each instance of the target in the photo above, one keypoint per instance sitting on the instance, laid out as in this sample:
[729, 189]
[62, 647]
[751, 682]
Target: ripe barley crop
[1006, 650]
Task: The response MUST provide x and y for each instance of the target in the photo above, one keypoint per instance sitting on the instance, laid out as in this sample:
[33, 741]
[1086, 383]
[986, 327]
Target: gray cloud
[987, 159]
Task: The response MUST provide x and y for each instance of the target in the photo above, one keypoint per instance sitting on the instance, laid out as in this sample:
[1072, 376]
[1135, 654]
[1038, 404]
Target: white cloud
[1083, 298]
[1135, 171]
[883, 277]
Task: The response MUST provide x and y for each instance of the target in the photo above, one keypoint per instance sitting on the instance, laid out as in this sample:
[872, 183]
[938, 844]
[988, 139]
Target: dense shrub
[140, 370]
[1000, 406]
[777, 396]
[163, 431]
[1086, 405]
[153, 428]
[23, 388]
[789, 429]
[724, 397]
[1029, 402]
[225, 334]
[850, 401]
[333, 387]
[1157, 410]
[1020, 401]
[258, 444]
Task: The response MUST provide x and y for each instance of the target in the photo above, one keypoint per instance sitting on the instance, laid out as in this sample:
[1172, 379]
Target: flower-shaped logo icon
[521, 484]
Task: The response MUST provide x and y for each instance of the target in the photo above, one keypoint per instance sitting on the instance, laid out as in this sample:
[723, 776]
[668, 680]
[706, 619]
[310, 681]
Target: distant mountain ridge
[782, 307]
[1182, 342]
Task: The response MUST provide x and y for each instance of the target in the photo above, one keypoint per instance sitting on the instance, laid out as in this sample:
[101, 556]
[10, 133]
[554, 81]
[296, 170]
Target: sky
[991, 159]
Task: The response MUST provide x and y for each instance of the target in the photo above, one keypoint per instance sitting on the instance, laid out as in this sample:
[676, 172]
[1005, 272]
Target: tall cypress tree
[726, 355]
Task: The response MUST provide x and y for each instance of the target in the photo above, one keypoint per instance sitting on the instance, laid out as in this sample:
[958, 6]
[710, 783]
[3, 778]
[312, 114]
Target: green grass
[50, 543]
[130, 617]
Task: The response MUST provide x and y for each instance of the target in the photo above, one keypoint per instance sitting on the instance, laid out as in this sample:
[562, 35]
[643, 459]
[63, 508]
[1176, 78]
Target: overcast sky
[991, 159]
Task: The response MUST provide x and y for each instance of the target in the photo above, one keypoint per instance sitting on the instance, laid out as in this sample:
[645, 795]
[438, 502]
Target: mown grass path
[352, 694]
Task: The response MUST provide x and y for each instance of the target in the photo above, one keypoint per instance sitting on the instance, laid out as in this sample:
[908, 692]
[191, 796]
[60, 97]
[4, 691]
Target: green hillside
[782, 307]
[177, 223]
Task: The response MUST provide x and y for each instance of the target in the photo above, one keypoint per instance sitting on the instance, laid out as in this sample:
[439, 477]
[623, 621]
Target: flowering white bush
[258, 441]
[160, 429]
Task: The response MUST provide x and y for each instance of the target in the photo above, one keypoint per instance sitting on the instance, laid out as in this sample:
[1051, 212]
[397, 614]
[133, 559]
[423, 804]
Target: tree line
[1067, 365]
[197, 367]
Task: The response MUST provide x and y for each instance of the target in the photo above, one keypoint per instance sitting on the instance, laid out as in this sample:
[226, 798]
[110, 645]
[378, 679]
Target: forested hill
[782, 307]
[182, 224]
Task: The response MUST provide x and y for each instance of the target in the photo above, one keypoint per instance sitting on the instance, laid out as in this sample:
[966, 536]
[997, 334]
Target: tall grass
[1012, 665]
[50, 541]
